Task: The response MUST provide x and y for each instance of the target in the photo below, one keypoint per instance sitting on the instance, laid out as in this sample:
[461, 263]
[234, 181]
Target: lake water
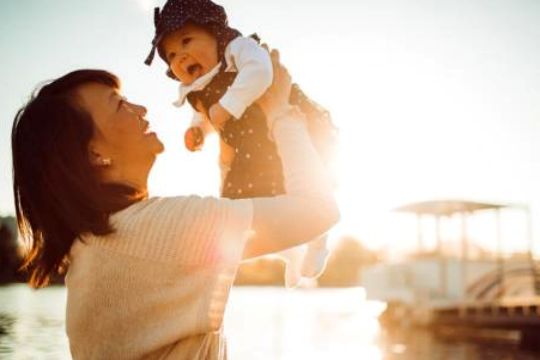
[261, 323]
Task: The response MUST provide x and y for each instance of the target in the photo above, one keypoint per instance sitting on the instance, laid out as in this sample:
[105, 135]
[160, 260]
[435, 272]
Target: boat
[494, 291]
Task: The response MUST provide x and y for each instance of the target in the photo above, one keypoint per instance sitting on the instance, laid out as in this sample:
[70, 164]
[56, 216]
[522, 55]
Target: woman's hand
[275, 101]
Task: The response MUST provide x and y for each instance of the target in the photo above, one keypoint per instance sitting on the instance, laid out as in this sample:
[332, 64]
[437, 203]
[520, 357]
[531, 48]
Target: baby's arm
[254, 76]
[199, 128]
[201, 120]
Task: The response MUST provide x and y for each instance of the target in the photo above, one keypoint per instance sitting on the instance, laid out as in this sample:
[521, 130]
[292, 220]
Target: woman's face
[122, 134]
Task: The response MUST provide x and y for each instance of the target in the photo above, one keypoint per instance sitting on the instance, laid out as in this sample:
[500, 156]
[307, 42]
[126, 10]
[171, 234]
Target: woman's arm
[308, 209]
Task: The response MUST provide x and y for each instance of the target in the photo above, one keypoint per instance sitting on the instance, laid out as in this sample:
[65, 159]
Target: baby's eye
[170, 56]
[186, 41]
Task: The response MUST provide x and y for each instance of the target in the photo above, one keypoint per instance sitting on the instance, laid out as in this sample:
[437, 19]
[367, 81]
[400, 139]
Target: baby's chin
[190, 78]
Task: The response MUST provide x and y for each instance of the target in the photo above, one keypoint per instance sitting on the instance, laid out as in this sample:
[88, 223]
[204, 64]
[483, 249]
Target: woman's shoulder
[189, 230]
[154, 204]
[165, 213]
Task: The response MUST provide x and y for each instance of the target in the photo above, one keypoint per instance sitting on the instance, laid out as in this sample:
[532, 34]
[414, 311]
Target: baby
[222, 74]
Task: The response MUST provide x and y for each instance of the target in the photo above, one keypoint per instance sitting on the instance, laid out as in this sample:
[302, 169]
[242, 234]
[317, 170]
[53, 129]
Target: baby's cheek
[176, 71]
[184, 78]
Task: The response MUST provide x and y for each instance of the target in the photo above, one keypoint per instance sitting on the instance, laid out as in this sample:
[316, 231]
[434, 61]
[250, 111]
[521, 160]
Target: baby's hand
[194, 138]
[218, 116]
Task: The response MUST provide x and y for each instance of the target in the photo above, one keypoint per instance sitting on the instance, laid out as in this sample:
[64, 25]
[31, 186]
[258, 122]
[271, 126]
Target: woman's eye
[121, 103]
[171, 56]
[186, 41]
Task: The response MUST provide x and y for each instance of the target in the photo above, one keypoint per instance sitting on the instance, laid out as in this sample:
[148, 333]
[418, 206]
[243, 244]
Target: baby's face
[191, 52]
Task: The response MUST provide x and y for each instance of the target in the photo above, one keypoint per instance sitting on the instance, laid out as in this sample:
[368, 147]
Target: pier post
[442, 261]
[534, 266]
[530, 339]
[419, 233]
[464, 254]
[500, 261]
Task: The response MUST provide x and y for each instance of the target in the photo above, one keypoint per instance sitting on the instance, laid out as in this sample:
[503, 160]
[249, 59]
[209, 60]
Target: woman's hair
[58, 192]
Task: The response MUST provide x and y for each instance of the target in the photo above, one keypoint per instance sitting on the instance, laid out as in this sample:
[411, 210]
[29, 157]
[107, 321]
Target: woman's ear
[96, 159]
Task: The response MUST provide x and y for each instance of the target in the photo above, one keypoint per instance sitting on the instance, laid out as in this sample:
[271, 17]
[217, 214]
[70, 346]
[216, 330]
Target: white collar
[197, 85]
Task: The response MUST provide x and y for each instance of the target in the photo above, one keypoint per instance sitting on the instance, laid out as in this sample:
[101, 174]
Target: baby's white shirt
[254, 67]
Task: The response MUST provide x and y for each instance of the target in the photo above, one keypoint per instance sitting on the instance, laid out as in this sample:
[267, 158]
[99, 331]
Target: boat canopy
[450, 207]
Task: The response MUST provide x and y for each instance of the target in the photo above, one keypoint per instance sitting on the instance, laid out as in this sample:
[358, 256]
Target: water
[261, 323]
[32, 323]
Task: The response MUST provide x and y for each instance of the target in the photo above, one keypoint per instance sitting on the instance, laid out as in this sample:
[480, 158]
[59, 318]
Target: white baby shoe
[314, 261]
[293, 264]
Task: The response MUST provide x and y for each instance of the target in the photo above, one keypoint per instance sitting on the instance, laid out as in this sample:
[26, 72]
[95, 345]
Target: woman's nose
[139, 109]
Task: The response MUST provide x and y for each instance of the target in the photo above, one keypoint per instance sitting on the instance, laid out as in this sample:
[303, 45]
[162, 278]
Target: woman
[146, 277]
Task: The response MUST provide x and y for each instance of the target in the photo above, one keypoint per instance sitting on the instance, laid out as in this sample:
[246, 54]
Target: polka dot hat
[205, 13]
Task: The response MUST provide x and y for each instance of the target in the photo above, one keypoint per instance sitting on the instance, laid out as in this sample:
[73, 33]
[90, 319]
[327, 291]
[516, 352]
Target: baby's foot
[292, 275]
[314, 262]
[293, 262]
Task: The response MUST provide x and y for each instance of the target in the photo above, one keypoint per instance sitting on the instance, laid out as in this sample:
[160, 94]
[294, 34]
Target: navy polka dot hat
[177, 13]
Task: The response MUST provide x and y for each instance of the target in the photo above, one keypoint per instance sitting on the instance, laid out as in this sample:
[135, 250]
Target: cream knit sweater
[157, 287]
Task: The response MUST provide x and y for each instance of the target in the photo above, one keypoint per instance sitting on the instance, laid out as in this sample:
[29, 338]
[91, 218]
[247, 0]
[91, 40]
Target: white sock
[315, 259]
[293, 259]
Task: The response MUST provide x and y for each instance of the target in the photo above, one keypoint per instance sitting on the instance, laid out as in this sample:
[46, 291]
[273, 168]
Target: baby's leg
[293, 264]
[255, 169]
[226, 157]
[315, 259]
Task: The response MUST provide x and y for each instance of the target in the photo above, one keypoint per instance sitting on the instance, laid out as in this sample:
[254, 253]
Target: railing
[496, 285]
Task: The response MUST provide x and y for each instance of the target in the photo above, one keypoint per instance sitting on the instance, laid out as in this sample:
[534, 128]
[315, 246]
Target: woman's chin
[161, 148]
[157, 146]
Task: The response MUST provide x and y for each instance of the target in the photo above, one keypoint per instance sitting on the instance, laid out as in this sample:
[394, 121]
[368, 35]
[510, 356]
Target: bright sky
[434, 99]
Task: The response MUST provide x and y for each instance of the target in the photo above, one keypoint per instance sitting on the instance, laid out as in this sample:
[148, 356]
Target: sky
[434, 99]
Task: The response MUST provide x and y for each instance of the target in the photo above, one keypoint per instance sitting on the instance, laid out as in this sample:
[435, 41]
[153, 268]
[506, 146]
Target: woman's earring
[106, 162]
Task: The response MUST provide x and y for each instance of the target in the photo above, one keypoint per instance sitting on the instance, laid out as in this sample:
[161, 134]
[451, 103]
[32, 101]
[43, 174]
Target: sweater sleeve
[220, 227]
[255, 75]
[308, 209]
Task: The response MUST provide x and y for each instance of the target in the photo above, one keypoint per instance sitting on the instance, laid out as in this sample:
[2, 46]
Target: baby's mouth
[194, 70]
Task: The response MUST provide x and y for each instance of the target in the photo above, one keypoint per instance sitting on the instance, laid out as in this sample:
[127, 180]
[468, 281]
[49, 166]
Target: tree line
[10, 256]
